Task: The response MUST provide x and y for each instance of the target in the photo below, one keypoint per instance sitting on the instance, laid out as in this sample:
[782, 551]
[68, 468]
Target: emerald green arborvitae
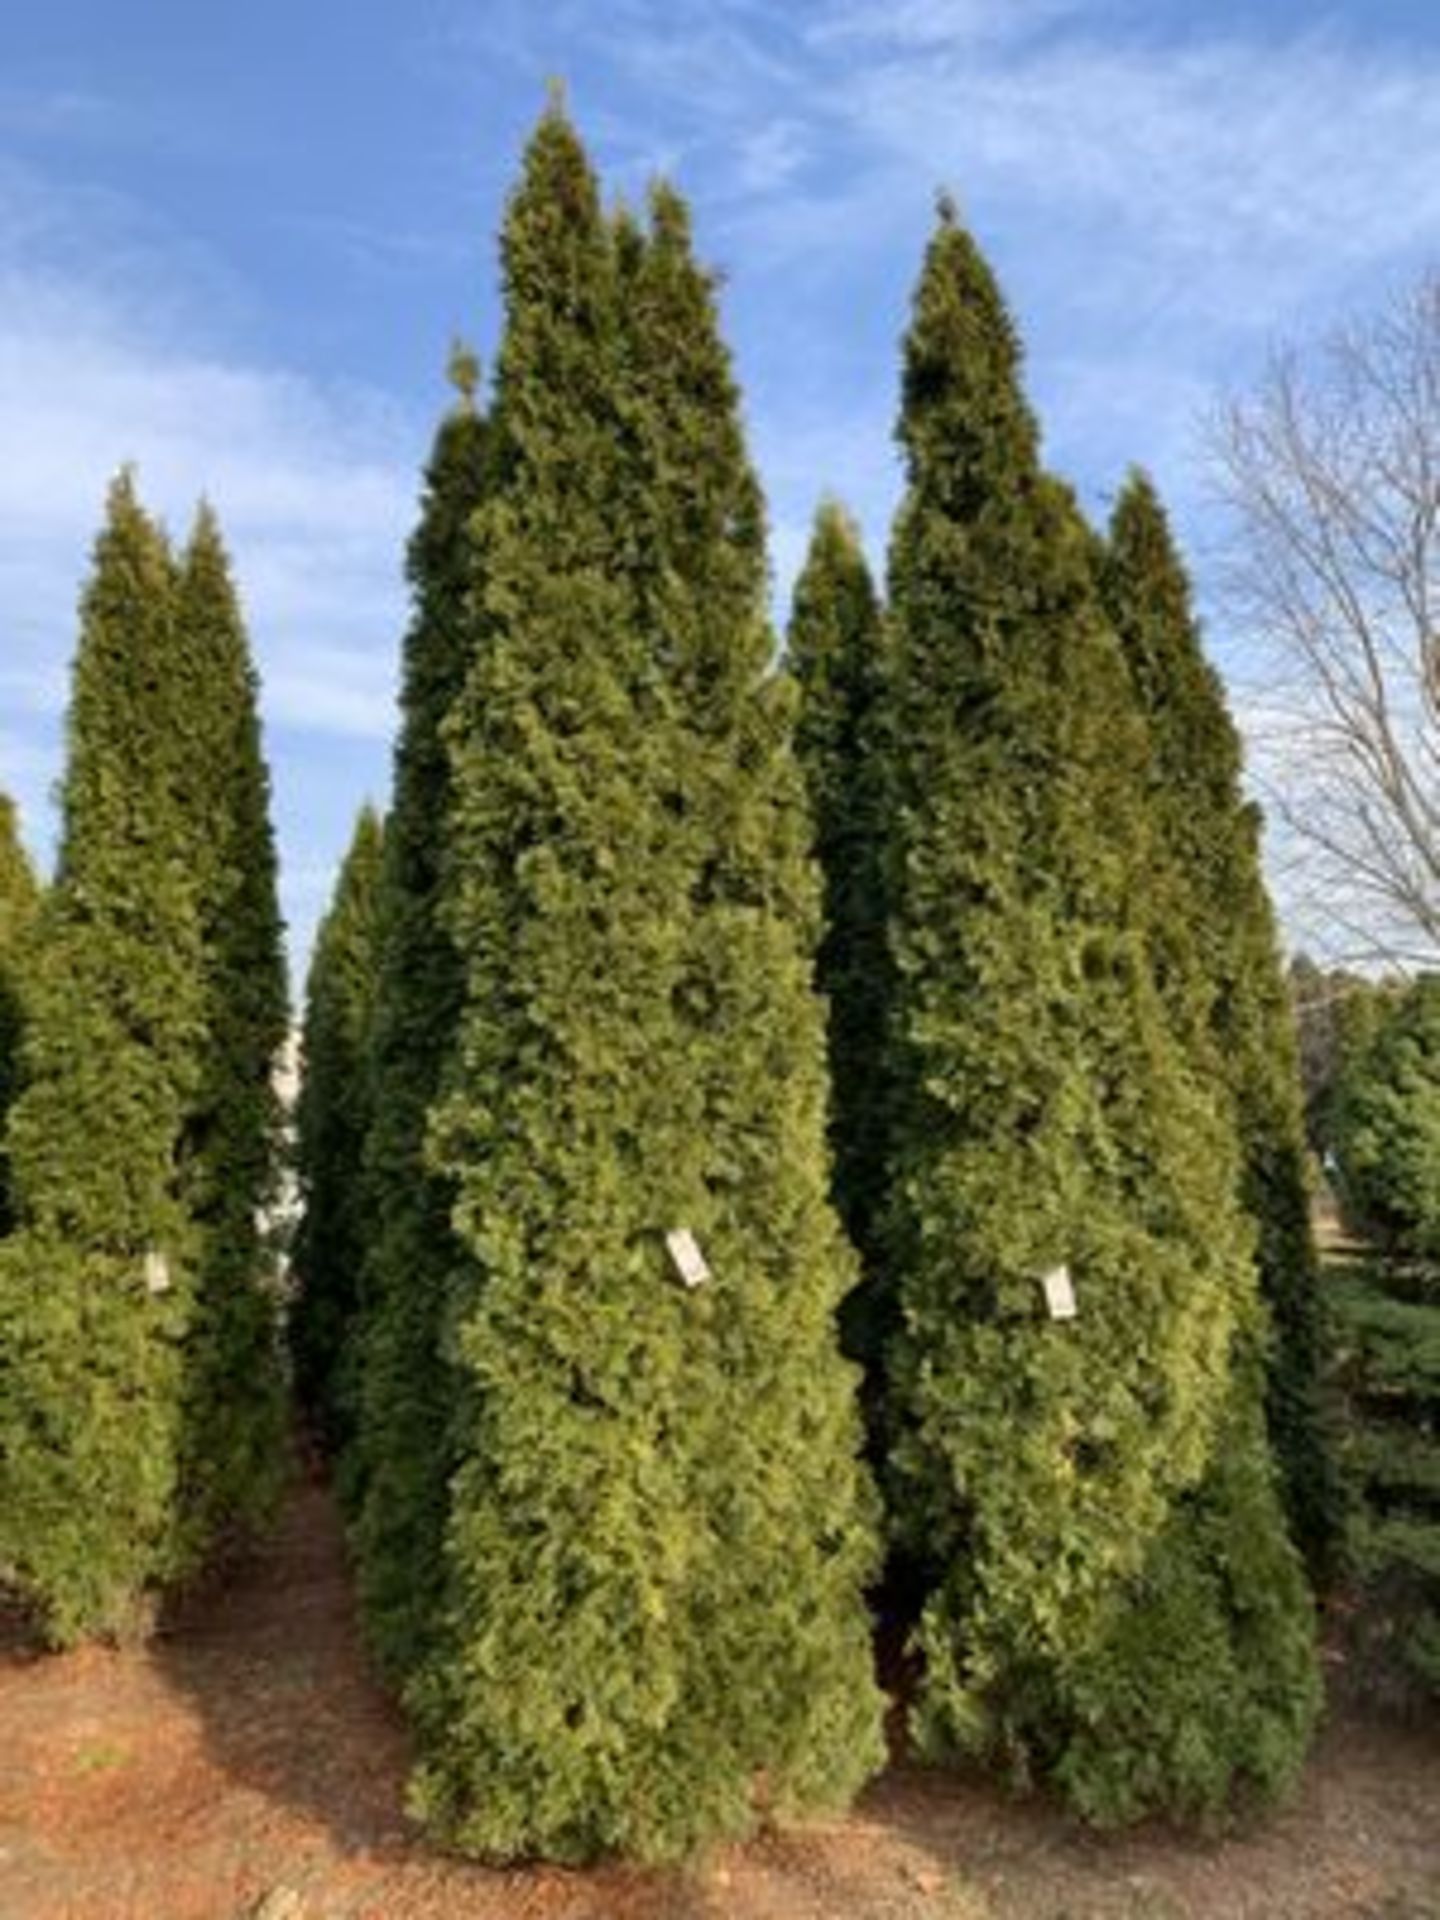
[394, 1473]
[1385, 1128]
[235, 1403]
[836, 651]
[1112, 1600]
[653, 1630]
[98, 1282]
[333, 1119]
[1212, 834]
[19, 898]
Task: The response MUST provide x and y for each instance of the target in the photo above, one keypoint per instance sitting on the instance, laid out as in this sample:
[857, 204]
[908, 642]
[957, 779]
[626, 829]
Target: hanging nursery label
[684, 1250]
[157, 1273]
[1059, 1293]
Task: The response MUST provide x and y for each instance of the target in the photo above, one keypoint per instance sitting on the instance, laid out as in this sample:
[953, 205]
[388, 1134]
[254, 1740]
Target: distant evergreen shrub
[1385, 1136]
[1385, 1122]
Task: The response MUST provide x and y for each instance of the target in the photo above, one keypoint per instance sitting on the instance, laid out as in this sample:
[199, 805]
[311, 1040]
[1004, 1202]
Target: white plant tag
[684, 1250]
[157, 1272]
[1059, 1293]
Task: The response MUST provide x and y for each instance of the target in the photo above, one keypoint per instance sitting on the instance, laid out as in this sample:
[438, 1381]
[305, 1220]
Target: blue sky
[236, 241]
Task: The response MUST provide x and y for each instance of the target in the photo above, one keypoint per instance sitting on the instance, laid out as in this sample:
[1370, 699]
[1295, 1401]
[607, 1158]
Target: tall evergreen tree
[97, 1286]
[1112, 1600]
[235, 1397]
[1227, 926]
[333, 1121]
[396, 1468]
[19, 899]
[836, 651]
[652, 1628]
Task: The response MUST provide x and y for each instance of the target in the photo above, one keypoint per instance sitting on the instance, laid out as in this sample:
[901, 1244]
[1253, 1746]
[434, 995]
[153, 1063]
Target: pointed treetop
[835, 524]
[124, 510]
[369, 825]
[123, 491]
[833, 633]
[669, 215]
[553, 224]
[18, 886]
[205, 534]
[1141, 535]
[1148, 589]
[463, 371]
[963, 410]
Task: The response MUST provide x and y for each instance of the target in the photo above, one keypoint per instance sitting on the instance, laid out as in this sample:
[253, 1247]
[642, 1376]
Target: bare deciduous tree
[1333, 469]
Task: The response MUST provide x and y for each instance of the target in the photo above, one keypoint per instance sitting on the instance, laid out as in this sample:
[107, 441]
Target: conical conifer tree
[333, 1120]
[836, 651]
[1053, 1134]
[395, 1469]
[235, 1398]
[97, 1285]
[1228, 927]
[656, 1538]
[19, 899]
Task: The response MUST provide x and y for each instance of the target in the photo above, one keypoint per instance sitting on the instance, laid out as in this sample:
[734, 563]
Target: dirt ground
[245, 1765]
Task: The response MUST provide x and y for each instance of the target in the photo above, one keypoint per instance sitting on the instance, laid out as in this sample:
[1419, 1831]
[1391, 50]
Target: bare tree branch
[1332, 469]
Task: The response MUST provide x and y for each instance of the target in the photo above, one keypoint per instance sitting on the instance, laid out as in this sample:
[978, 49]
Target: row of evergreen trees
[1047, 922]
[142, 1003]
[611, 1530]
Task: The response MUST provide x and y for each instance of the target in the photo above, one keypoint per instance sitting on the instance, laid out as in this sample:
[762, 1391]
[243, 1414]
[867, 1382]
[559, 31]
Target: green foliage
[140, 1399]
[652, 1630]
[1223, 922]
[1199, 1687]
[1053, 1104]
[235, 1399]
[395, 1471]
[1387, 1313]
[1385, 1134]
[1385, 1123]
[836, 652]
[333, 1120]
[97, 1285]
[19, 899]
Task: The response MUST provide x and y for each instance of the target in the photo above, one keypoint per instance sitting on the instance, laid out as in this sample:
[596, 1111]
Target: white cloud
[315, 484]
[924, 23]
[312, 486]
[1265, 168]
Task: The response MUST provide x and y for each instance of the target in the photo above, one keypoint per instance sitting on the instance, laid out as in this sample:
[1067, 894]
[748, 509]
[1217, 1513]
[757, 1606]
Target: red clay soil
[244, 1764]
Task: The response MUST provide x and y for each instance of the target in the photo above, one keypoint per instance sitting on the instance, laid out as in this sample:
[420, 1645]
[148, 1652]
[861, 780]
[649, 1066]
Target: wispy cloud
[315, 484]
[932, 23]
